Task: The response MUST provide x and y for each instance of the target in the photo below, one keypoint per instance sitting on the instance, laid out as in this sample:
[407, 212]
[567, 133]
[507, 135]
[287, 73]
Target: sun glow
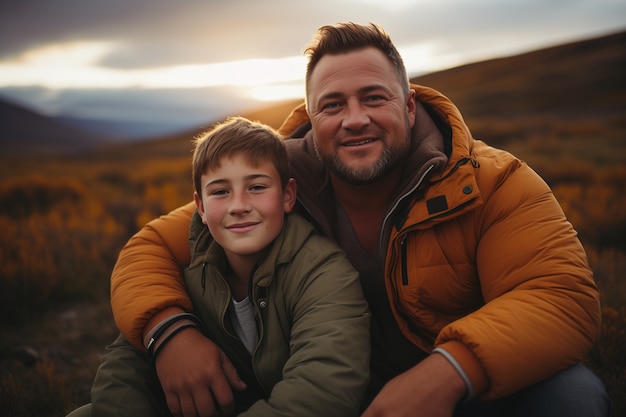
[278, 92]
[76, 65]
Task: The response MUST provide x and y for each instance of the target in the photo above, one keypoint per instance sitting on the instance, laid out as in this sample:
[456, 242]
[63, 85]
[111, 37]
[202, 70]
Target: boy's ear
[289, 195]
[199, 206]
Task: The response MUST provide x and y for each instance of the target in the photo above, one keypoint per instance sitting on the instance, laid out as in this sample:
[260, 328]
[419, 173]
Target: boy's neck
[239, 279]
[240, 274]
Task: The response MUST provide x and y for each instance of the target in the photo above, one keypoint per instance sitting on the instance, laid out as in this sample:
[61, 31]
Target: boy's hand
[197, 377]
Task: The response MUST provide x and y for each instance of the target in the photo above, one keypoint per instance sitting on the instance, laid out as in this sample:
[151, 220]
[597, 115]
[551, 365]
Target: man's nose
[355, 116]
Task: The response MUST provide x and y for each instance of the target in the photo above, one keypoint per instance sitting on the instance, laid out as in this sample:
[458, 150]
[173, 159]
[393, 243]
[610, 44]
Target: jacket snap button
[263, 304]
[467, 189]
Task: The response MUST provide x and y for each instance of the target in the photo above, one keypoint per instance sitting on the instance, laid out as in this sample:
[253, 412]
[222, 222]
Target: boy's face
[244, 206]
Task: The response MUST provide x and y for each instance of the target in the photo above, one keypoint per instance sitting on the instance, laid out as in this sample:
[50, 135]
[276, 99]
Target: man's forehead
[360, 70]
[365, 58]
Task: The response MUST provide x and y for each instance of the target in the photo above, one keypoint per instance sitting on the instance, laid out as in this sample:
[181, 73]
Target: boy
[283, 304]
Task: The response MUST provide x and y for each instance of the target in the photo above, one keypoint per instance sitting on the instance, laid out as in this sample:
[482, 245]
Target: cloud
[77, 51]
[157, 33]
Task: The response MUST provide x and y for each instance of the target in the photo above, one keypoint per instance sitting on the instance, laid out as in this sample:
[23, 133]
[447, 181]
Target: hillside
[181, 144]
[26, 132]
[582, 79]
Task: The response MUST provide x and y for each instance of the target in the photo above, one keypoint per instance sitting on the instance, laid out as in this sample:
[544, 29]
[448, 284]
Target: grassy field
[64, 220]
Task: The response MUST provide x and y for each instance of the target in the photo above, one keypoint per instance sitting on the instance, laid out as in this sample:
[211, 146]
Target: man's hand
[431, 388]
[196, 376]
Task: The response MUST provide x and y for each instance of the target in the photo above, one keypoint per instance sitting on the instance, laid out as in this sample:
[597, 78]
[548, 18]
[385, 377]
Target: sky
[173, 63]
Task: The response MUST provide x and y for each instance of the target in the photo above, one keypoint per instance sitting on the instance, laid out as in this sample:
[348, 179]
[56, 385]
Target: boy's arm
[125, 384]
[147, 282]
[328, 367]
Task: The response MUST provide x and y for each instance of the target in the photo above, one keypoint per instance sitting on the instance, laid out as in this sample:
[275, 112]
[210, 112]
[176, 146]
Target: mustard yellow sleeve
[147, 280]
[542, 308]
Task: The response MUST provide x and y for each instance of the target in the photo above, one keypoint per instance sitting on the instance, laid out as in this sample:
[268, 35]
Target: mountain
[579, 79]
[23, 131]
[578, 85]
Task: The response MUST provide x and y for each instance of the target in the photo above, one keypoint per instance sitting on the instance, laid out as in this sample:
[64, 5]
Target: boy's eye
[258, 187]
[218, 192]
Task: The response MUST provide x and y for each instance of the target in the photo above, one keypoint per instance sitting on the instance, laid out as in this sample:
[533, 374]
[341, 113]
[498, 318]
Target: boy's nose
[239, 203]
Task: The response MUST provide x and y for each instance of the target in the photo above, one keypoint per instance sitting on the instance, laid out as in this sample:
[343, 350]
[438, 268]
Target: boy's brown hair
[239, 136]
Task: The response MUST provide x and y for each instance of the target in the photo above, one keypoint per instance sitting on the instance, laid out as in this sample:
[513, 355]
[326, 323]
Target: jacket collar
[205, 250]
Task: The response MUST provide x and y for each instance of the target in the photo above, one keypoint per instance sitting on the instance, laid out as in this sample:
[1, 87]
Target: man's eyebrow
[330, 96]
[362, 90]
[374, 87]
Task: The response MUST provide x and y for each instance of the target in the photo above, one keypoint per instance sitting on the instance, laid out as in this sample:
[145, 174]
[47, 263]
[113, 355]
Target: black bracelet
[168, 338]
[163, 328]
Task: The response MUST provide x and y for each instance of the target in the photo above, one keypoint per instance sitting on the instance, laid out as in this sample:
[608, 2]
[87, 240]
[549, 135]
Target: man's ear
[199, 206]
[289, 195]
[411, 108]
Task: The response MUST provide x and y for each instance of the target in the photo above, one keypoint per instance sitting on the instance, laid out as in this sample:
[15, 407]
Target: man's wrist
[162, 333]
[469, 389]
[157, 320]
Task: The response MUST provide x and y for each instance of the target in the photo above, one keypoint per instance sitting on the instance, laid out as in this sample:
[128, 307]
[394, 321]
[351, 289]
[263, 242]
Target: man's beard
[389, 160]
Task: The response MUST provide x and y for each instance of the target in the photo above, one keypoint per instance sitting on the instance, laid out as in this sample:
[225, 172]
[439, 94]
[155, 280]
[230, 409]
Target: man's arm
[146, 287]
[432, 386]
[147, 282]
[541, 312]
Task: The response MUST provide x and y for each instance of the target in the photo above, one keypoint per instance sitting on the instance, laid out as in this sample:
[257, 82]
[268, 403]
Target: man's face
[360, 116]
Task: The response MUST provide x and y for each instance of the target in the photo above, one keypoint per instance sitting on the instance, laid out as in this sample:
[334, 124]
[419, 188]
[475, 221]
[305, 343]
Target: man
[481, 296]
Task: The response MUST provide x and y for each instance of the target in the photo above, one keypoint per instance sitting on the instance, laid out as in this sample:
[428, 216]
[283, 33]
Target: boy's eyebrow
[247, 177]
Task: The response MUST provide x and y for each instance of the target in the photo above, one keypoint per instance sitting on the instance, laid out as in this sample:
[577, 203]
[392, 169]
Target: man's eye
[331, 106]
[373, 98]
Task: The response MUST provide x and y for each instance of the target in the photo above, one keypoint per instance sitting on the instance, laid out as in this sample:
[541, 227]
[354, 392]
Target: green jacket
[313, 353]
[312, 356]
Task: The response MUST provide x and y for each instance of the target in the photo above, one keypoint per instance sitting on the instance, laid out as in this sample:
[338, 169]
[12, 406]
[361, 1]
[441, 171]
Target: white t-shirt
[242, 318]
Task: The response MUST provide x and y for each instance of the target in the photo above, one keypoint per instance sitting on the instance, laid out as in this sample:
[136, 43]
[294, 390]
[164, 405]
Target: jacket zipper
[405, 273]
[403, 246]
[417, 184]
